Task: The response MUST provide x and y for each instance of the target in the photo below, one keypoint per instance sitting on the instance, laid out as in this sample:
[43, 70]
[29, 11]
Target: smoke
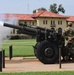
[5, 31]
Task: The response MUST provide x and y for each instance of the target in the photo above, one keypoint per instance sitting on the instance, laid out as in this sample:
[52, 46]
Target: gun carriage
[47, 44]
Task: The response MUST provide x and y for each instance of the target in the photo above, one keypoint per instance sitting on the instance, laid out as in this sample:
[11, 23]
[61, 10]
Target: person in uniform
[68, 35]
[69, 31]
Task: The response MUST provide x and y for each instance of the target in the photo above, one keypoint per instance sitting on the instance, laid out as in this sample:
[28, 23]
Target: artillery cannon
[48, 41]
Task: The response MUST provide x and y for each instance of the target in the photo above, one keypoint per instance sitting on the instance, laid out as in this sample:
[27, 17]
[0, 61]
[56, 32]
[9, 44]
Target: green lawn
[20, 47]
[24, 48]
[41, 73]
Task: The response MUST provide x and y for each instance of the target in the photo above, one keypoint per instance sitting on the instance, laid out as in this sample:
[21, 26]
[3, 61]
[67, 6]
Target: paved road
[23, 64]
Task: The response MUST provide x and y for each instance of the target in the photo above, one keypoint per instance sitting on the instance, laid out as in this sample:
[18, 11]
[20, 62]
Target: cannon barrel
[32, 26]
[27, 29]
[22, 30]
[24, 26]
[11, 26]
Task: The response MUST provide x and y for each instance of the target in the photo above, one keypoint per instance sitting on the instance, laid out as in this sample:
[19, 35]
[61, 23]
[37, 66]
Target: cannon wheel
[47, 52]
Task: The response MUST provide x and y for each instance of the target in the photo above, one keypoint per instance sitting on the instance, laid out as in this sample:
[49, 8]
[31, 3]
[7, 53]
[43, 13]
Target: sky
[27, 6]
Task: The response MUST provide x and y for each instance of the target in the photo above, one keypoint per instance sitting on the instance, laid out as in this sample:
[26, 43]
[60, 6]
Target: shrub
[15, 37]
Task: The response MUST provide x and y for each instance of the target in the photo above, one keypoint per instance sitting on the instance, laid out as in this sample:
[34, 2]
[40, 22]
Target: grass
[20, 47]
[24, 48]
[41, 73]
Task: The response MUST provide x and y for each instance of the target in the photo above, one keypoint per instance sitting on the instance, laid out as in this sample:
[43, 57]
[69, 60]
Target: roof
[71, 18]
[48, 14]
[33, 16]
[19, 16]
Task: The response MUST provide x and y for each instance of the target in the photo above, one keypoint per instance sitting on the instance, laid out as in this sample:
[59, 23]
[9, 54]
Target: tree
[43, 9]
[56, 9]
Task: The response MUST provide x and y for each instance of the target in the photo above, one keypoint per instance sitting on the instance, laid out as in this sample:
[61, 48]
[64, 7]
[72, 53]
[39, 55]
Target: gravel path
[31, 64]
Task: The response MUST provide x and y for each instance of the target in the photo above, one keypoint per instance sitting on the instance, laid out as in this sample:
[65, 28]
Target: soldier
[68, 34]
[69, 31]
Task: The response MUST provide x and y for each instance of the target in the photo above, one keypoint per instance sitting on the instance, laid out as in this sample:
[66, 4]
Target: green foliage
[56, 9]
[53, 8]
[60, 8]
[15, 37]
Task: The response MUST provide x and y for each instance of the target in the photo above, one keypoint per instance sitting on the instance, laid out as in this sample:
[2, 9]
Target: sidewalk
[31, 64]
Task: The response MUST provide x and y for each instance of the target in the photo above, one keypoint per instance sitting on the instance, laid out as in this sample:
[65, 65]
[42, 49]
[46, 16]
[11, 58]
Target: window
[13, 31]
[52, 23]
[32, 23]
[59, 22]
[25, 22]
[45, 22]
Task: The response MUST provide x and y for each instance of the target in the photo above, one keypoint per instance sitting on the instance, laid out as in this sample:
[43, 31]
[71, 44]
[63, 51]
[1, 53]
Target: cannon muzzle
[11, 26]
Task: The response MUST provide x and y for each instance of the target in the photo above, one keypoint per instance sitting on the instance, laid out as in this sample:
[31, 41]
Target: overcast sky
[27, 6]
